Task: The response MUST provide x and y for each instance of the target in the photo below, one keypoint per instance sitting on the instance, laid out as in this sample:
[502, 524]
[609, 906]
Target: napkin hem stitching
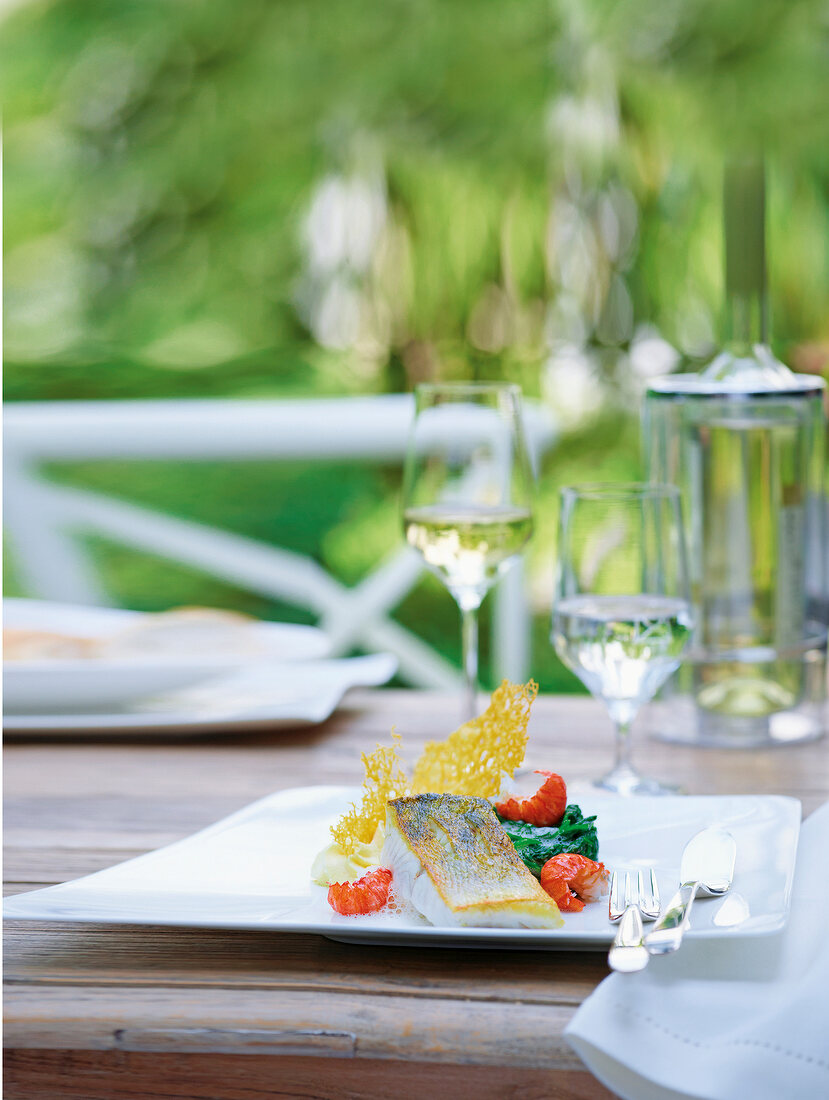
[820, 1063]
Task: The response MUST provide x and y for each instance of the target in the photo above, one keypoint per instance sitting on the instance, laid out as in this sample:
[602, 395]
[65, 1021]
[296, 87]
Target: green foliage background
[546, 177]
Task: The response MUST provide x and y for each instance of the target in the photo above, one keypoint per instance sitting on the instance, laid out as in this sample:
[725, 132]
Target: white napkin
[724, 1019]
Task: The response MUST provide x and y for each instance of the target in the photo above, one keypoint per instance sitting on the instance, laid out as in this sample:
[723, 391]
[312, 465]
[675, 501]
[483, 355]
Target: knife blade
[707, 868]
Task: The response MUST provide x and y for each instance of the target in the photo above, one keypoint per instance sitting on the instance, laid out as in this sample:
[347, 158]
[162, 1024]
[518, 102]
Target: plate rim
[123, 664]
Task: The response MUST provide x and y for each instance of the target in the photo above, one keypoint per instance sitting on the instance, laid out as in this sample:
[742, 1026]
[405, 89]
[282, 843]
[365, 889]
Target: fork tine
[655, 889]
[615, 904]
[649, 895]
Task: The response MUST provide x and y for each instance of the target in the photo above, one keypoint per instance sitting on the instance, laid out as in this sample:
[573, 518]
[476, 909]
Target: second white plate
[260, 698]
[63, 686]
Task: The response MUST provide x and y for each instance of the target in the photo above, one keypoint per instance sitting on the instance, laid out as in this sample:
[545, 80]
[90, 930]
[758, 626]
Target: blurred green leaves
[160, 160]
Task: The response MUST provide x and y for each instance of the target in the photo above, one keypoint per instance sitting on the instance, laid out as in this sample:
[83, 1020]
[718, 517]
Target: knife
[707, 868]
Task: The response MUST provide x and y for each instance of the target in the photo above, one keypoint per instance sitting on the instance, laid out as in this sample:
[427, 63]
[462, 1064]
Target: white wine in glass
[467, 547]
[621, 616]
[467, 495]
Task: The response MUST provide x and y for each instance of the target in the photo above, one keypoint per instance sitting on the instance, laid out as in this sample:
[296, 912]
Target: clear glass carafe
[744, 442]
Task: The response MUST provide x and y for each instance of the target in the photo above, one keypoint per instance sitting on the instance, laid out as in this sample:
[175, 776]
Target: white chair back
[44, 520]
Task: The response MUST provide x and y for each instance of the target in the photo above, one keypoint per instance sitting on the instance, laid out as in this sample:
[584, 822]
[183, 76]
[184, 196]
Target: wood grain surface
[111, 1011]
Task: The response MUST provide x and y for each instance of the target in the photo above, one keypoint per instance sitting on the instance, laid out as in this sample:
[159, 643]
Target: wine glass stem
[622, 763]
[469, 643]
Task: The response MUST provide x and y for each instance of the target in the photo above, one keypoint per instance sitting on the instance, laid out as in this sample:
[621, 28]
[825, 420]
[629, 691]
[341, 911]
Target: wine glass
[467, 488]
[622, 613]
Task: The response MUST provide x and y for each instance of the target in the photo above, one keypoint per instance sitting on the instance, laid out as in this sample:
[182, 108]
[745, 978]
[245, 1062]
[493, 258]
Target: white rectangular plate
[251, 871]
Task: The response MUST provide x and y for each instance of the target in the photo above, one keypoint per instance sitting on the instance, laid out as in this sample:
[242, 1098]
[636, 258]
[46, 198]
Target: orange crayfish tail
[546, 807]
[367, 895]
[571, 903]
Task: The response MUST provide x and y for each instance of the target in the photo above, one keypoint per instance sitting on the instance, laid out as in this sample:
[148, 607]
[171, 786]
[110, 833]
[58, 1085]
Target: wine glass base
[630, 783]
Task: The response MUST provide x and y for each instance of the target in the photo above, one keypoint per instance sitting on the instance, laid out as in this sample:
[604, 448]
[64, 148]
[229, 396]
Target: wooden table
[112, 1012]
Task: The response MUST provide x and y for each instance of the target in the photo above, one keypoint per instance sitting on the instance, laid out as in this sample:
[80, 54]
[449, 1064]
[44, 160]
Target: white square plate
[264, 697]
[251, 871]
[63, 687]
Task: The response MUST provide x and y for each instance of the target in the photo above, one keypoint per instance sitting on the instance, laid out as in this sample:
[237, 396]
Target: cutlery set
[706, 869]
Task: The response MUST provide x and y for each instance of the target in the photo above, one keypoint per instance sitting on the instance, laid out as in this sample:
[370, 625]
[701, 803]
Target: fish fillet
[454, 863]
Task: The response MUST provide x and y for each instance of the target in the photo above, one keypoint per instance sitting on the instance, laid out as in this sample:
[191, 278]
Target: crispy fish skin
[453, 861]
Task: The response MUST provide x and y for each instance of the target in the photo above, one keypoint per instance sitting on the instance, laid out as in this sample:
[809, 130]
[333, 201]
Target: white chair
[44, 520]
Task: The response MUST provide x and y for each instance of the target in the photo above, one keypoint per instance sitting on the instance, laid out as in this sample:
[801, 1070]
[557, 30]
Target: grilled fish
[452, 860]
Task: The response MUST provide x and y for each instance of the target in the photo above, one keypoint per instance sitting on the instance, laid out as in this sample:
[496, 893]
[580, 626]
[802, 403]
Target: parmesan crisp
[385, 779]
[473, 759]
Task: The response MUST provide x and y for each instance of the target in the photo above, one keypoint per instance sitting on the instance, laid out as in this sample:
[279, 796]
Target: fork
[630, 904]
